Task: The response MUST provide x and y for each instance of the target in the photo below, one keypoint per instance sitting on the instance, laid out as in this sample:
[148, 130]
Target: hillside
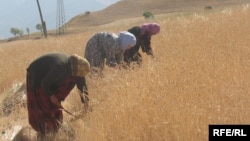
[134, 8]
[199, 76]
[126, 9]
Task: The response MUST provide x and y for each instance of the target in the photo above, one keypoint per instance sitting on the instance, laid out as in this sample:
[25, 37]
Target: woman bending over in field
[50, 78]
[143, 35]
[109, 46]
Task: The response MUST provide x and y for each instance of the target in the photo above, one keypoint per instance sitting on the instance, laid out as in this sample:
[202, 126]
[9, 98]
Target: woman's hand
[55, 101]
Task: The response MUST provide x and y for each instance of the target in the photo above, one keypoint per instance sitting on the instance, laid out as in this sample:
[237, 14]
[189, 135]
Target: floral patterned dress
[101, 46]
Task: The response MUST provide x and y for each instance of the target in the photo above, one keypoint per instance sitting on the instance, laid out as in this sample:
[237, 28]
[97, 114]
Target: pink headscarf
[151, 28]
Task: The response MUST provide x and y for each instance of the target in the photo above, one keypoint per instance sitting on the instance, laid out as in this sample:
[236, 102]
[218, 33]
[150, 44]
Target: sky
[23, 14]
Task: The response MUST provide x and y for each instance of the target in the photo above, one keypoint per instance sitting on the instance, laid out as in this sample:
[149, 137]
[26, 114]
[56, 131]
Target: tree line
[19, 32]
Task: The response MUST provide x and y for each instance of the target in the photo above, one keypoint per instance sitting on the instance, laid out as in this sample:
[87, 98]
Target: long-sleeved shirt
[49, 71]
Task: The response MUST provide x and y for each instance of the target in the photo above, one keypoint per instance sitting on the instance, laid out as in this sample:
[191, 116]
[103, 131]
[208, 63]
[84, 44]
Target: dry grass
[200, 76]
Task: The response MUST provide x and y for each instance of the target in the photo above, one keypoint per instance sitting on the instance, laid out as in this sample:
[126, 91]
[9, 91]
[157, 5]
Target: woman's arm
[82, 87]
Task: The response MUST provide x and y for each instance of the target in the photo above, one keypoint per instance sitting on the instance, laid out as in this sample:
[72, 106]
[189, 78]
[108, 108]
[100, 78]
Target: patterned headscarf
[151, 28]
[79, 65]
[126, 39]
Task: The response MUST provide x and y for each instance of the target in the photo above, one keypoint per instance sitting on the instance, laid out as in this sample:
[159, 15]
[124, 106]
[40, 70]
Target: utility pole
[43, 22]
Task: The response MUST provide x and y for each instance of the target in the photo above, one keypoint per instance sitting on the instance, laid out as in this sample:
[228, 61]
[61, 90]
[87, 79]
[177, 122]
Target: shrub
[148, 15]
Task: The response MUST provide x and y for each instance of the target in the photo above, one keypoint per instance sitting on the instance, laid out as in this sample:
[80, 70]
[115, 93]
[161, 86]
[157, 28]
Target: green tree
[148, 15]
[28, 31]
[15, 31]
[39, 27]
[87, 13]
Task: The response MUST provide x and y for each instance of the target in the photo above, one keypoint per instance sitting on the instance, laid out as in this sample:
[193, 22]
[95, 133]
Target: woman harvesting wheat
[50, 78]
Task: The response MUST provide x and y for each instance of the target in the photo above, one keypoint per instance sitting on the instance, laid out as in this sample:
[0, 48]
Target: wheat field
[200, 75]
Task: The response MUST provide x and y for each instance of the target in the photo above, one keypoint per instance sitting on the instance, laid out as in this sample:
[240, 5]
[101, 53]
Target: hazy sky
[24, 14]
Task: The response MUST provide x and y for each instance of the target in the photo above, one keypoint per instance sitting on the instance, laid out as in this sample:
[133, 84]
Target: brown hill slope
[134, 8]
